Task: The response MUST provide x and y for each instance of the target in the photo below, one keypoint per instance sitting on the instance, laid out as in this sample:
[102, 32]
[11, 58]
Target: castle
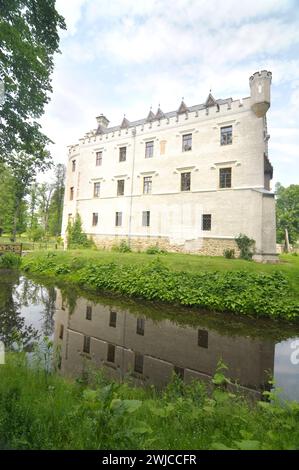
[189, 180]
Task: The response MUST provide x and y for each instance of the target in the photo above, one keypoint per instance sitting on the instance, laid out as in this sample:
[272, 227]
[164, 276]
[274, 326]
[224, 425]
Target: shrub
[245, 245]
[229, 253]
[36, 233]
[155, 250]
[76, 237]
[123, 247]
[10, 261]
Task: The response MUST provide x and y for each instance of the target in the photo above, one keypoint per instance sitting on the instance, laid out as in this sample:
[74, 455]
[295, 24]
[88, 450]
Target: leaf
[220, 446]
[248, 445]
[125, 406]
[90, 395]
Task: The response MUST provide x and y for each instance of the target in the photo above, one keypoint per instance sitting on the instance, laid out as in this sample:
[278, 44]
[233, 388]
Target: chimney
[102, 120]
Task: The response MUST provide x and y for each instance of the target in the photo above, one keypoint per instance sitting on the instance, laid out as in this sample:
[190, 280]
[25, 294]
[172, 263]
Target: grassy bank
[42, 411]
[236, 286]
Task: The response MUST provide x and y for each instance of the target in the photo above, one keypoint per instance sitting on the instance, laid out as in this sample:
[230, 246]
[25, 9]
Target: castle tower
[260, 83]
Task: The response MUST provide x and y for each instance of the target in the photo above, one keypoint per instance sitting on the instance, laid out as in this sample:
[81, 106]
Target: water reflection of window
[203, 338]
[138, 365]
[140, 326]
[86, 344]
[112, 321]
[180, 372]
[111, 353]
[61, 331]
[88, 312]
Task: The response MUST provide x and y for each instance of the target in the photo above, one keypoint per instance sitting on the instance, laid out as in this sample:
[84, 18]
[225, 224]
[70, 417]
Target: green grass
[217, 284]
[43, 411]
[288, 264]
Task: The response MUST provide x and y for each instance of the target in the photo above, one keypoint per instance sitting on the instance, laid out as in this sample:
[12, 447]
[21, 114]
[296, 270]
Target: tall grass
[45, 411]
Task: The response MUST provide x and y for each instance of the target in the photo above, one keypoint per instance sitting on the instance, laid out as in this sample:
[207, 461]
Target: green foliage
[245, 245]
[36, 233]
[287, 212]
[229, 253]
[44, 411]
[75, 235]
[240, 292]
[56, 202]
[29, 39]
[155, 250]
[123, 247]
[10, 261]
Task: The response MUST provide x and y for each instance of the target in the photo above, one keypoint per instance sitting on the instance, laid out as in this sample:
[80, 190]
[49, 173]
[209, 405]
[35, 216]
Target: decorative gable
[183, 108]
[150, 117]
[210, 101]
[125, 123]
[159, 114]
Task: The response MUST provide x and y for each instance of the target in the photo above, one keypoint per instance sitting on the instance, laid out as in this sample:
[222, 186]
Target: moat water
[146, 342]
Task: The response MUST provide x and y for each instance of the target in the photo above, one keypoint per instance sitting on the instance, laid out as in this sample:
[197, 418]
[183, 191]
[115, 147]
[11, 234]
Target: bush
[155, 250]
[229, 253]
[10, 261]
[76, 237]
[36, 234]
[245, 245]
[123, 247]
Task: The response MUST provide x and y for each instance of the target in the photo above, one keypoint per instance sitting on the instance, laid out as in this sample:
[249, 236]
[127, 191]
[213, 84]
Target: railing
[11, 248]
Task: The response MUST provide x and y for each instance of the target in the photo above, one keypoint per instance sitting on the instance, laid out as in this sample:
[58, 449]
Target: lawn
[288, 264]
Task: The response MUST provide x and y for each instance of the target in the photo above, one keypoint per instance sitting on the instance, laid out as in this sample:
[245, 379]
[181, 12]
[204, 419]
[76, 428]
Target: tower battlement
[260, 84]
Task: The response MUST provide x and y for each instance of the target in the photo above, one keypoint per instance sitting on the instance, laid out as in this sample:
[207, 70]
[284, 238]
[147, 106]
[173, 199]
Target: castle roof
[160, 115]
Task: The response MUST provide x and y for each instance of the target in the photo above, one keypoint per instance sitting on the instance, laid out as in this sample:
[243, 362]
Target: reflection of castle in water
[125, 344]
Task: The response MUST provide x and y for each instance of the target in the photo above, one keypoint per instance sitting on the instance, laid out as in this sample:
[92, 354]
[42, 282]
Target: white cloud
[122, 56]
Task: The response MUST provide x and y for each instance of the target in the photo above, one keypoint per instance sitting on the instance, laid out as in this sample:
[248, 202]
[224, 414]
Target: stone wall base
[204, 246]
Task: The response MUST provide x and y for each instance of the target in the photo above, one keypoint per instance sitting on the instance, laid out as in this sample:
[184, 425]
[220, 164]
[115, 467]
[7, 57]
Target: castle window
[120, 187]
[99, 158]
[86, 344]
[140, 326]
[185, 181]
[74, 165]
[146, 218]
[206, 222]
[112, 319]
[61, 332]
[96, 189]
[187, 142]
[149, 149]
[95, 218]
[225, 177]
[118, 219]
[111, 353]
[88, 312]
[147, 185]
[203, 338]
[122, 154]
[226, 135]
[72, 193]
[138, 364]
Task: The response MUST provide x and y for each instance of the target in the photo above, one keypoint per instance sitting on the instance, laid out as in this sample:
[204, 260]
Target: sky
[124, 56]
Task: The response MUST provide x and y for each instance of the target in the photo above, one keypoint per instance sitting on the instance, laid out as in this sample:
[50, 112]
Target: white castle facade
[189, 180]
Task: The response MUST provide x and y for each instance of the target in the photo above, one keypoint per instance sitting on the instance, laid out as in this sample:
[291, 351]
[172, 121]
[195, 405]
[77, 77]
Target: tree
[287, 212]
[28, 41]
[76, 237]
[56, 205]
[25, 168]
[7, 197]
[45, 191]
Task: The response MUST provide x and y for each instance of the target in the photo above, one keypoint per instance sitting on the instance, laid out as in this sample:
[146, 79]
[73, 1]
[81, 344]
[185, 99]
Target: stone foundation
[204, 246]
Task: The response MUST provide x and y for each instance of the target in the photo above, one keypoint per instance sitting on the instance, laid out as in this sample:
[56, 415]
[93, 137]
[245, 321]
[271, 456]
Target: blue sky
[123, 56]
